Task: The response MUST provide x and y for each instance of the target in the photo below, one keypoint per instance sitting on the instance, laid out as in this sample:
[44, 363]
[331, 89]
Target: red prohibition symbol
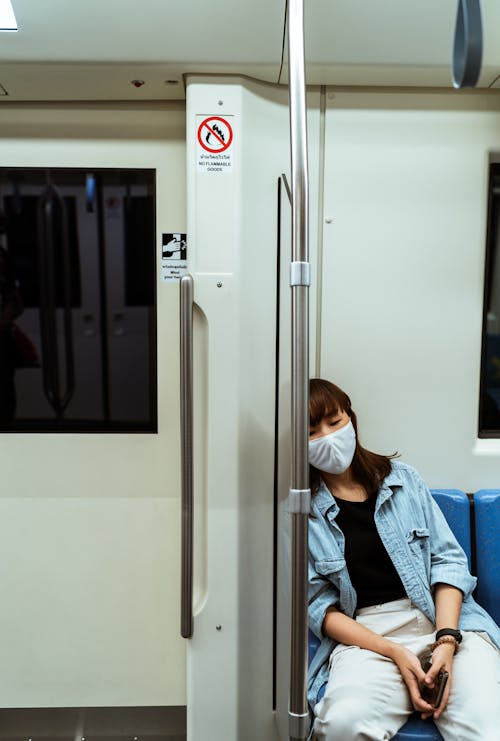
[215, 134]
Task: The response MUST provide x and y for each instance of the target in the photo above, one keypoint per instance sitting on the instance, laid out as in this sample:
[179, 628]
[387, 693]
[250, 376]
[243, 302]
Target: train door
[90, 516]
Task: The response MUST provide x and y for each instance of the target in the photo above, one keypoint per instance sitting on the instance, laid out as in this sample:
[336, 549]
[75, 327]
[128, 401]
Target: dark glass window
[139, 261]
[489, 407]
[21, 227]
[77, 300]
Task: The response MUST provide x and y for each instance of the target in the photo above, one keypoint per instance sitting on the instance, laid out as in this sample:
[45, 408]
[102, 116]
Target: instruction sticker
[173, 256]
[214, 144]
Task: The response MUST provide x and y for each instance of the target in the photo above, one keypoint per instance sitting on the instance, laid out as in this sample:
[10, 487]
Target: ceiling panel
[108, 81]
[220, 31]
[391, 42]
[380, 32]
[92, 49]
[392, 32]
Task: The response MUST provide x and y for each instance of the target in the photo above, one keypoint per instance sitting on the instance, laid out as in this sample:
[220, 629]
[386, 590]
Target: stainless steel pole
[186, 389]
[300, 494]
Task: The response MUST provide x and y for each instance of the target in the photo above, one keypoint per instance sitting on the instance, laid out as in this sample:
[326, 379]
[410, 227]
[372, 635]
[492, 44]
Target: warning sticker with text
[214, 144]
[173, 256]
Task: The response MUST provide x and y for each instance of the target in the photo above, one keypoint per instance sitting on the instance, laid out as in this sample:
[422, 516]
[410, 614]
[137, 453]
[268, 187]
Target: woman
[388, 586]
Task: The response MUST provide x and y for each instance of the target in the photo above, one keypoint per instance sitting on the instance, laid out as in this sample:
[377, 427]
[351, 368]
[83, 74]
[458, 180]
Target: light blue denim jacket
[422, 548]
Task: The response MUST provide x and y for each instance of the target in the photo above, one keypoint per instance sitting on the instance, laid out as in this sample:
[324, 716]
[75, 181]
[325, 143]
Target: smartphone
[434, 695]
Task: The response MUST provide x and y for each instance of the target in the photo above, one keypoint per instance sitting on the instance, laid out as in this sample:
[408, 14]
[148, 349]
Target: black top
[372, 572]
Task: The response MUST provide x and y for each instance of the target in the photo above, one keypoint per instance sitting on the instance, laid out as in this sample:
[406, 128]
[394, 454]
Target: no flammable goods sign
[215, 139]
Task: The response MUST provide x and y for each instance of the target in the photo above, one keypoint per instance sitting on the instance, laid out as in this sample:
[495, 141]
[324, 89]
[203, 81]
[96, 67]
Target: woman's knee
[483, 716]
[474, 716]
[340, 721]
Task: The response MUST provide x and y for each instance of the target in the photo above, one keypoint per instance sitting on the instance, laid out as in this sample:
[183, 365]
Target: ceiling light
[7, 18]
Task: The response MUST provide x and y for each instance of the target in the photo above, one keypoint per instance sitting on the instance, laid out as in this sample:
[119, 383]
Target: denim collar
[323, 500]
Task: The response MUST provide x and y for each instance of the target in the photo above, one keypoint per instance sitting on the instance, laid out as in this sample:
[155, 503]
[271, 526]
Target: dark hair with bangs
[369, 469]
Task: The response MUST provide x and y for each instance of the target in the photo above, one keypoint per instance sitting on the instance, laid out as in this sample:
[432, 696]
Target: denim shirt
[420, 544]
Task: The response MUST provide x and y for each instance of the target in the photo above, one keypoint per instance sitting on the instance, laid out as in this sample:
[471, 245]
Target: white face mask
[333, 453]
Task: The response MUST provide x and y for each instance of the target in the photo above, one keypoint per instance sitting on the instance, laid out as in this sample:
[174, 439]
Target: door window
[77, 300]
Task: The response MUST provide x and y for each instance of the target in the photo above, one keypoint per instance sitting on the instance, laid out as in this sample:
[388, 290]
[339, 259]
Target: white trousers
[366, 698]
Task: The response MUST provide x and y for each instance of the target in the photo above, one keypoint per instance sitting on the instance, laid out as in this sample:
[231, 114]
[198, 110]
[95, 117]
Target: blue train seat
[455, 506]
[416, 729]
[487, 526]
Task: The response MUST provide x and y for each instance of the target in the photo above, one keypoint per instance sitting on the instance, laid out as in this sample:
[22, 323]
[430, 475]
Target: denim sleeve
[448, 561]
[322, 595]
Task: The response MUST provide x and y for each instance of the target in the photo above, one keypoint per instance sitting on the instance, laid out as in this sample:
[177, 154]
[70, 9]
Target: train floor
[93, 724]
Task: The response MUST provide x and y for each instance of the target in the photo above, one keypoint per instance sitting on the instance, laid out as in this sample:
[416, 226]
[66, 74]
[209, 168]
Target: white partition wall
[405, 207]
[233, 230]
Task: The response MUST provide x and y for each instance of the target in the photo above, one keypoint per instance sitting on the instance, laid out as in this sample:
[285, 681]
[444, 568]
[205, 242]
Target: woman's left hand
[442, 660]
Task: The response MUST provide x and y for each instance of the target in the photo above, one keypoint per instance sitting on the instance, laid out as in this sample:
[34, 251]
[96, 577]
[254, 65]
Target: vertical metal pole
[300, 494]
[186, 389]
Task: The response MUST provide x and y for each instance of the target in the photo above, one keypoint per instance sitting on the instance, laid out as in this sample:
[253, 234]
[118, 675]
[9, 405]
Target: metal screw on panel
[221, 102]
[328, 220]
[219, 284]
[218, 627]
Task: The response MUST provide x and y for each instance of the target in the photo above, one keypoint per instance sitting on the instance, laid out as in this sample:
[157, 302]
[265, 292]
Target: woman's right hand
[413, 675]
[350, 632]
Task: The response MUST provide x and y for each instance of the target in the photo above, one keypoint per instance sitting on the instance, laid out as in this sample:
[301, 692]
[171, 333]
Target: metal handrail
[300, 495]
[46, 298]
[69, 354]
[48, 319]
[186, 394]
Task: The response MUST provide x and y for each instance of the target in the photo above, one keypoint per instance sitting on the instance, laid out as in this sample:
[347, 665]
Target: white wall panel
[404, 242]
[88, 595]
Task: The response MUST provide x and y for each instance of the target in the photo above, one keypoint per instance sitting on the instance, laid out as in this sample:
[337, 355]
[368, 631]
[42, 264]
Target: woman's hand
[346, 630]
[442, 659]
[414, 676]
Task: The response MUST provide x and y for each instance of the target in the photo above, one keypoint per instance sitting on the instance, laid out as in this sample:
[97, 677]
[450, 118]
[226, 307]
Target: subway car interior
[263, 192]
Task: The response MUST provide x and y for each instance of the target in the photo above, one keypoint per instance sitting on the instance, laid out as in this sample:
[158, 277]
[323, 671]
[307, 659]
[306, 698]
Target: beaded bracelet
[445, 639]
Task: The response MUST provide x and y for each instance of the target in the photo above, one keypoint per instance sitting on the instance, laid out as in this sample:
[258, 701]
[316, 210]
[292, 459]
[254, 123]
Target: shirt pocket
[418, 542]
[335, 572]
[329, 566]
